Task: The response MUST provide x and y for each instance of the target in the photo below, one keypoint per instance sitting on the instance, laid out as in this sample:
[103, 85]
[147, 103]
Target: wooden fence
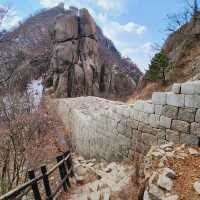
[64, 165]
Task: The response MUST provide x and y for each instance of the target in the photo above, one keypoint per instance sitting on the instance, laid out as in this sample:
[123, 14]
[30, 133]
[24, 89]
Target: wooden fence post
[62, 170]
[68, 167]
[36, 192]
[69, 162]
[46, 182]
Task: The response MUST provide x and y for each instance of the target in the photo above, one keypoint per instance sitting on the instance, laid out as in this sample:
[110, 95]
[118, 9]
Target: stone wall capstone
[114, 131]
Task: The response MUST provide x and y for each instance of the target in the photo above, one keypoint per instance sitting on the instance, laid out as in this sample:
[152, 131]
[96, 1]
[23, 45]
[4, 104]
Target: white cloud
[124, 37]
[10, 20]
[104, 5]
[111, 4]
[113, 29]
[128, 37]
[141, 55]
[49, 3]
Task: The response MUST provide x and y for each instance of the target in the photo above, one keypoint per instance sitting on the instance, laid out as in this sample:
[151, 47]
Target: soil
[188, 171]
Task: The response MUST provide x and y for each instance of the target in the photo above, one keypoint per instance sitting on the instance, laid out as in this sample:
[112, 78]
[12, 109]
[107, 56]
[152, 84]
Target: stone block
[134, 124]
[158, 131]
[158, 109]
[161, 142]
[192, 87]
[181, 126]
[139, 105]
[149, 139]
[149, 108]
[140, 148]
[124, 112]
[195, 129]
[140, 116]
[136, 136]
[187, 114]
[165, 122]
[173, 136]
[197, 117]
[189, 139]
[161, 134]
[135, 114]
[176, 88]
[154, 120]
[146, 128]
[159, 98]
[175, 99]
[143, 117]
[170, 111]
[192, 101]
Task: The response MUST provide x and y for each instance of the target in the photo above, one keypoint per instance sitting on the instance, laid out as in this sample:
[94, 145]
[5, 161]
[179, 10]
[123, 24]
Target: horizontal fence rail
[64, 166]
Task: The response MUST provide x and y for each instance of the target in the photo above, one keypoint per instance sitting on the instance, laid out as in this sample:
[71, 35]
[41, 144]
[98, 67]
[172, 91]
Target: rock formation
[58, 40]
[77, 67]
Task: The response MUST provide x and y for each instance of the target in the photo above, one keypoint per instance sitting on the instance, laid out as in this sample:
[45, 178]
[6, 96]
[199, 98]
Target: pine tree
[158, 67]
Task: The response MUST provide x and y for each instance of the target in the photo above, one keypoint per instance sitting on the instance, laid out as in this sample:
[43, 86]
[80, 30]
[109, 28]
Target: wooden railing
[64, 165]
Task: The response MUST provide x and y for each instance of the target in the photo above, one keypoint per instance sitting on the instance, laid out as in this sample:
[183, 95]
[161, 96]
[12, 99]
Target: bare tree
[4, 11]
[23, 132]
[190, 12]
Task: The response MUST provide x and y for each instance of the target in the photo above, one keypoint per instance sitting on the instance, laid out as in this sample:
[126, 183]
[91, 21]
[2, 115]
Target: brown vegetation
[28, 140]
[187, 171]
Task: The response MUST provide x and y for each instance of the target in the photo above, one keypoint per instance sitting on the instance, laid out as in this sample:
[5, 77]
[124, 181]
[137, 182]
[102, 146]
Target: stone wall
[113, 130]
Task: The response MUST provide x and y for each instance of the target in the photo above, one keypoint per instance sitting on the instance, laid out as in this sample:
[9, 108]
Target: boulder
[171, 197]
[155, 192]
[165, 179]
[193, 152]
[165, 182]
[169, 173]
[66, 27]
[196, 186]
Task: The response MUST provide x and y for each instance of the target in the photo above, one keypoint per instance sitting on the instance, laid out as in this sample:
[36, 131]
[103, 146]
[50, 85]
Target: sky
[134, 26]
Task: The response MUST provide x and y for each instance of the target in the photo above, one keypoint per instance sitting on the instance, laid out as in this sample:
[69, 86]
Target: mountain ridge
[33, 37]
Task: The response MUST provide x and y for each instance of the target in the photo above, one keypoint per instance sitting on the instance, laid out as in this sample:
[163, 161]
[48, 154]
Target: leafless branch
[4, 11]
[176, 20]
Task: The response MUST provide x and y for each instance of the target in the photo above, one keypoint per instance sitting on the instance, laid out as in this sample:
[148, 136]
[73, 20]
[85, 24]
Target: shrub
[159, 66]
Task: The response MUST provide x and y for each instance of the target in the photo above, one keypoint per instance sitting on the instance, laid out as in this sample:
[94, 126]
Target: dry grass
[146, 92]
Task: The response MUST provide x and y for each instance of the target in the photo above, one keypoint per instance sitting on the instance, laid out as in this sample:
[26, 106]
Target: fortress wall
[114, 130]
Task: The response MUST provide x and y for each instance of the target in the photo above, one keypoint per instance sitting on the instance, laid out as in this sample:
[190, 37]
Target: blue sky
[133, 25]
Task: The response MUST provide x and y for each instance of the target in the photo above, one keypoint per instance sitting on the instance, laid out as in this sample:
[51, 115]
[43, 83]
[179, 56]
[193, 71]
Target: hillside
[182, 48]
[35, 40]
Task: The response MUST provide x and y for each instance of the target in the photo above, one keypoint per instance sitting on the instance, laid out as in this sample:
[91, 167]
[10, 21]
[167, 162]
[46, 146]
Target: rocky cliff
[71, 48]
[183, 49]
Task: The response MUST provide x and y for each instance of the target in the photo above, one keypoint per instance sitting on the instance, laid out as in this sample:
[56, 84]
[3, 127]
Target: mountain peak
[71, 38]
